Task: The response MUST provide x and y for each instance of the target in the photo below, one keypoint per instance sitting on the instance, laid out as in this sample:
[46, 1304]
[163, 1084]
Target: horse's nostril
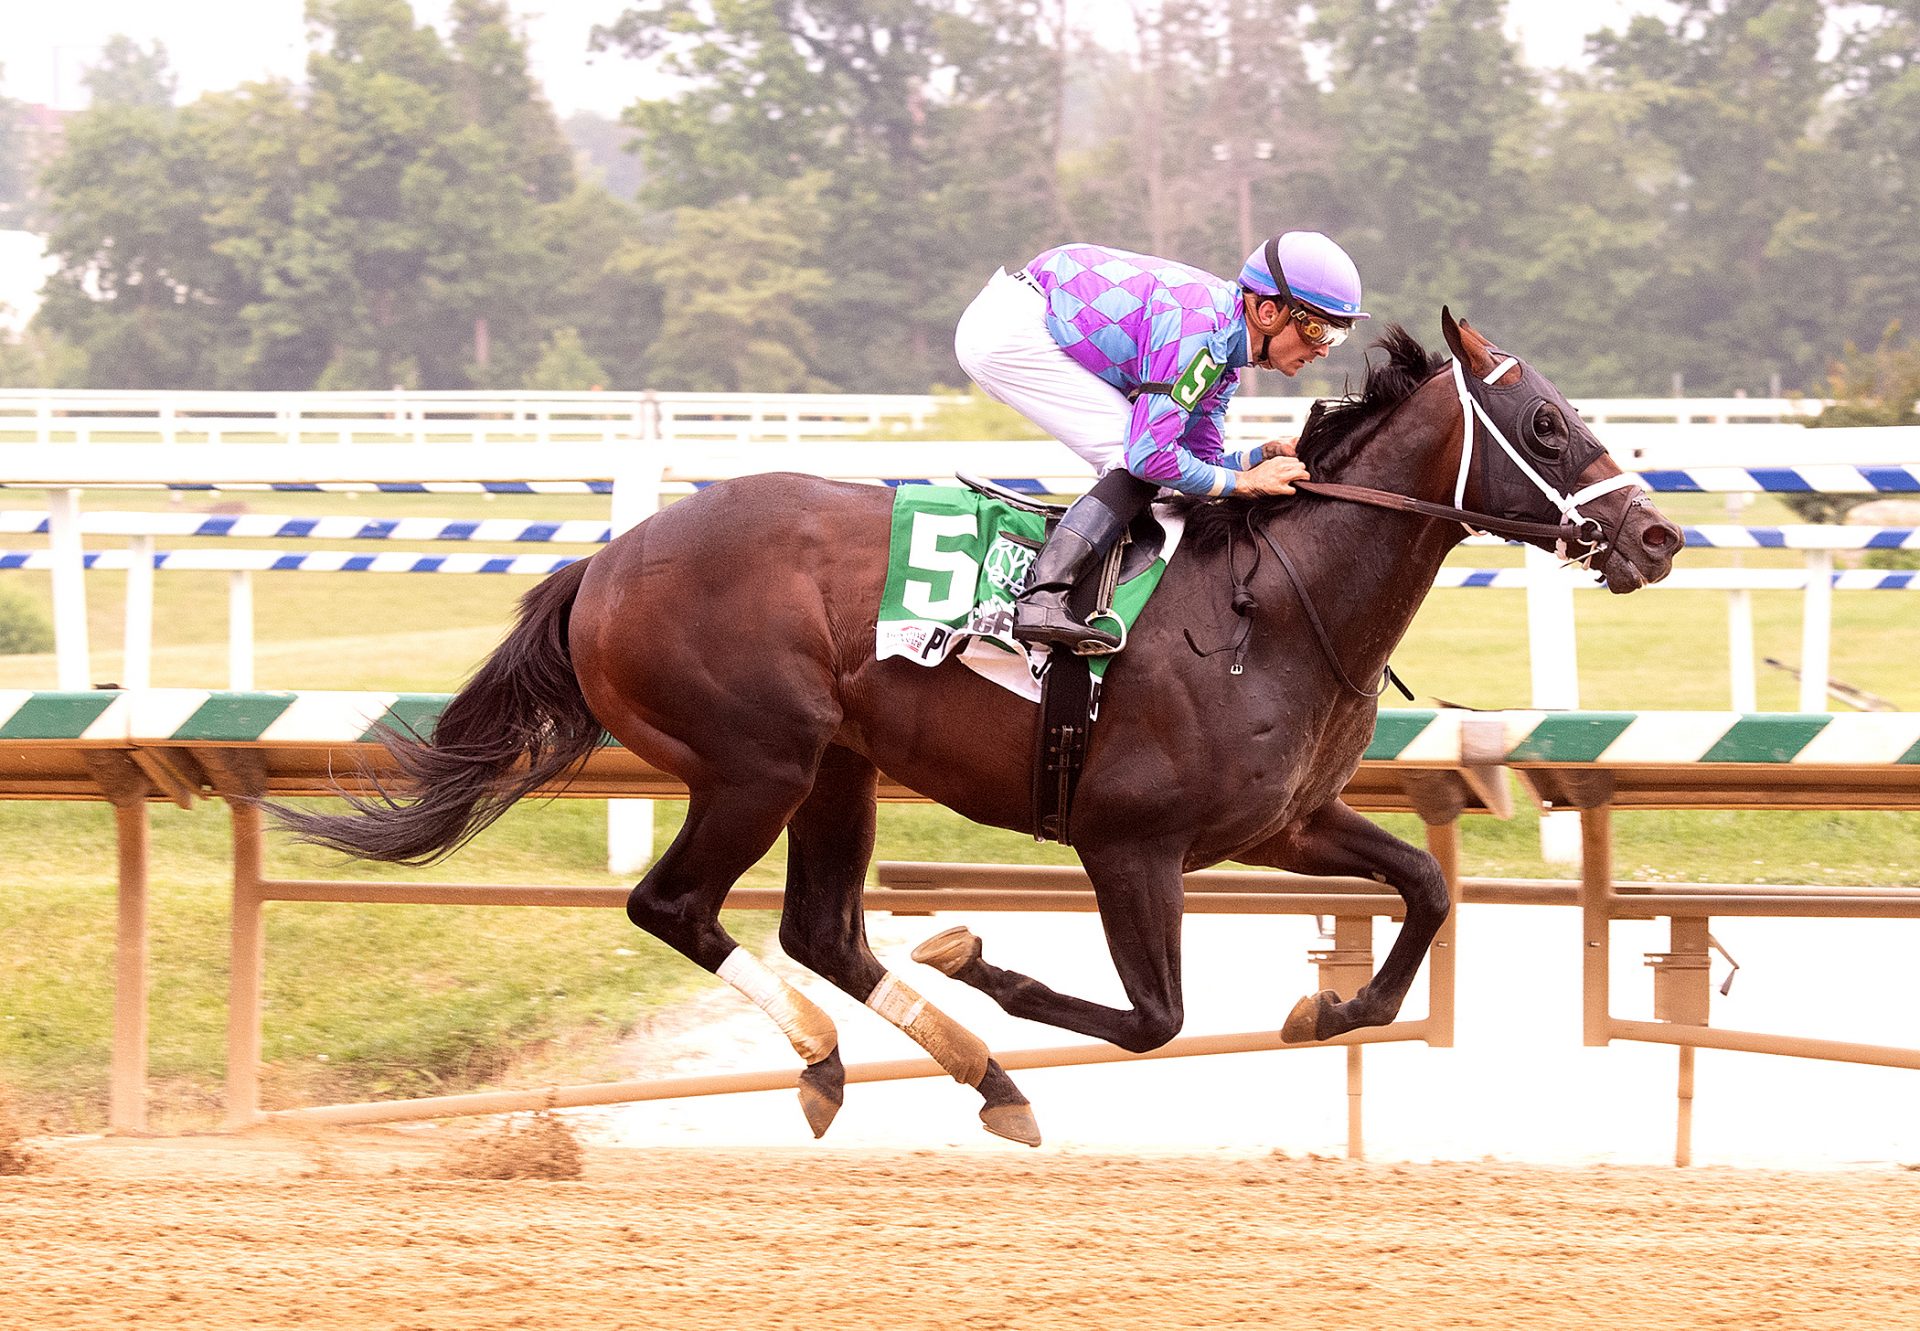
[1659, 537]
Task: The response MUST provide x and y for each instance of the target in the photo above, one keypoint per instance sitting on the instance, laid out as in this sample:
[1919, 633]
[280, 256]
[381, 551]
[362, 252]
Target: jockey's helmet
[1314, 270]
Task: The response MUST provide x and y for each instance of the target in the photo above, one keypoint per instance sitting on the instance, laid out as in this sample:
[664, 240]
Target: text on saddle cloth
[955, 563]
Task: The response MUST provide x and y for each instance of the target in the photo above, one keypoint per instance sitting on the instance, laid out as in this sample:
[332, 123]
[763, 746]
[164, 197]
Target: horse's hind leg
[1140, 895]
[679, 900]
[823, 927]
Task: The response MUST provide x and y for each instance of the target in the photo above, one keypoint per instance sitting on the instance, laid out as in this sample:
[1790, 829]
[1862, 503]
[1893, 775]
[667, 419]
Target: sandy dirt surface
[364, 1230]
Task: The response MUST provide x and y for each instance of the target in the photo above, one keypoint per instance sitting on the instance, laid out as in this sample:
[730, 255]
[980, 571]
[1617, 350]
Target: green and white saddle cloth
[955, 563]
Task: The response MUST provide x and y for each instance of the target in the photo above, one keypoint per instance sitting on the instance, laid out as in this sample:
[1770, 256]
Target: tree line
[1724, 197]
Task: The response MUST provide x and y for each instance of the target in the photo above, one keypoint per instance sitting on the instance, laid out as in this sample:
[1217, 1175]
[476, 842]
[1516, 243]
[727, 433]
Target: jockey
[1130, 361]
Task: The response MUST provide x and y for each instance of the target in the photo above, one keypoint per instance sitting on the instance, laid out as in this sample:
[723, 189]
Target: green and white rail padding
[160, 716]
[1441, 738]
[1647, 739]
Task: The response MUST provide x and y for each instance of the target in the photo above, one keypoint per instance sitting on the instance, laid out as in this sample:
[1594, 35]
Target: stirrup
[1066, 632]
[1093, 646]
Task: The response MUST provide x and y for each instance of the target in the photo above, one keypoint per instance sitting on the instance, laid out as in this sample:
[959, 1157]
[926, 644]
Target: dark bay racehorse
[729, 640]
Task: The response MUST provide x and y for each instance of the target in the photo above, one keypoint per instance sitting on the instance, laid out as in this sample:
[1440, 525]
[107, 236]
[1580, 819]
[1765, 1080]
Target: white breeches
[1003, 342]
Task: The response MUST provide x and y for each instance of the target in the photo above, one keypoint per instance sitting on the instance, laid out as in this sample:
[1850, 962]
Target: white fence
[47, 416]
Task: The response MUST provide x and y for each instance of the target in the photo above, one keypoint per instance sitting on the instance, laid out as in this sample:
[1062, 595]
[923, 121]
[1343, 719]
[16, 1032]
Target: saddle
[1069, 692]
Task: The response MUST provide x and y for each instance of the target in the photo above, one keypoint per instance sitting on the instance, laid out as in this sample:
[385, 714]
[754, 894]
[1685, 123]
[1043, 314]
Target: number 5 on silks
[960, 569]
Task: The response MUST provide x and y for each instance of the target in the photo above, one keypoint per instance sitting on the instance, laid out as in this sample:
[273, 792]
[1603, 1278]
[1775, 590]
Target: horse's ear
[1468, 347]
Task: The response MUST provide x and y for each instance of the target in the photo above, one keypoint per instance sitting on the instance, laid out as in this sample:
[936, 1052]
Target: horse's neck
[1369, 569]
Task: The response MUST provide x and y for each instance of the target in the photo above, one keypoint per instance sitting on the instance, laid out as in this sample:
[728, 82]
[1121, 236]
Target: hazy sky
[215, 44]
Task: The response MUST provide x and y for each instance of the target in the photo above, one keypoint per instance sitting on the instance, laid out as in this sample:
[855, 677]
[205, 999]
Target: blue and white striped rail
[1701, 579]
[1810, 479]
[267, 527]
[352, 487]
[225, 560]
[581, 531]
[1807, 536]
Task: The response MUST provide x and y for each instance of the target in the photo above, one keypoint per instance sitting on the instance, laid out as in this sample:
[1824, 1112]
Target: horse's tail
[523, 705]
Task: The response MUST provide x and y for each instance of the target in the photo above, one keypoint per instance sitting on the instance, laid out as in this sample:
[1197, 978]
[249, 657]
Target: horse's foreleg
[1337, 842]
[1141, 899]
[822, 926]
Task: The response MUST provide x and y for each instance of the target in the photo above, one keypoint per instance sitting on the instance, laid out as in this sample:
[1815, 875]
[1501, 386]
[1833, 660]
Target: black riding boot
[1080, 540]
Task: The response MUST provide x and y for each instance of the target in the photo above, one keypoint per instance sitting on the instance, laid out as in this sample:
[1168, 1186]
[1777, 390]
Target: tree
[1730, 89]
[1874, 243]
[139, 285]
[1430, 97]
[387, 226]
[129, 75]
[883, 101]
[607, 151]
[565, 364]
[1226, 126]
[1581, 268]
[38, 359]
[15, 173]
[738, 325]
[594, 285]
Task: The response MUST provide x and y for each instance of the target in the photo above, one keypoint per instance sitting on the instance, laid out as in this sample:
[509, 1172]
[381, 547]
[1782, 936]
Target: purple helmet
[1316, 271]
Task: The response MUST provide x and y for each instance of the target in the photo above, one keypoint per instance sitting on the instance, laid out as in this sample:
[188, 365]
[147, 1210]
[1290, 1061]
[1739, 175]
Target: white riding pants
[1003, 342]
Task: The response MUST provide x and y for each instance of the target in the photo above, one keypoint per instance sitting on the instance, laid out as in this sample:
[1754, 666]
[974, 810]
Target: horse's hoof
[1303, 1023]
[950, 951]
[1015, 1122]
[823, 1089]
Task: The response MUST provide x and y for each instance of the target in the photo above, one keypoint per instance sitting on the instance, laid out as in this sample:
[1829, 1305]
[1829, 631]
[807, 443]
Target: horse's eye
[1549, 431]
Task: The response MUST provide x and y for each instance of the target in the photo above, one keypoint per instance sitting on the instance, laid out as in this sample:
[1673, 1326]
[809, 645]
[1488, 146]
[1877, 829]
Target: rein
[1244, 605]
[1575, 531]
[1570, 532]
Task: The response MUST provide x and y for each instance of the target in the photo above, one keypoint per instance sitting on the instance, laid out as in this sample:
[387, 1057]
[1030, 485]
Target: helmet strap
[1279, 274]
[1266, 339]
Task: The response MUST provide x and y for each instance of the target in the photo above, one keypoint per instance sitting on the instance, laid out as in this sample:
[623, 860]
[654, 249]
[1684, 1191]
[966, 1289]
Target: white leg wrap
[955, 1048]
[810, 1029]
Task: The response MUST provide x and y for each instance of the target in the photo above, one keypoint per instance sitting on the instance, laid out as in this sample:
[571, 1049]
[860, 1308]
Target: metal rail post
[127, 1084]
[1596, 902]
[1344, 968]
[1682, 995]
[1443, 843]
[248, 977]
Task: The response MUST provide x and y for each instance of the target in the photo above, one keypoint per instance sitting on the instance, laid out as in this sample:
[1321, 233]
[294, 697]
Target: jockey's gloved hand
[1275, 476]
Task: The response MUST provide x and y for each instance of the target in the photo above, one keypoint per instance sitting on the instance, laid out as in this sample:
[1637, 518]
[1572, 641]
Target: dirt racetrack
[365, 1231]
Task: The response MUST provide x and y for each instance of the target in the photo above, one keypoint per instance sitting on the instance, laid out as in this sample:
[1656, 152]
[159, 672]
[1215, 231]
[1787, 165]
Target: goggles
[1317, 329]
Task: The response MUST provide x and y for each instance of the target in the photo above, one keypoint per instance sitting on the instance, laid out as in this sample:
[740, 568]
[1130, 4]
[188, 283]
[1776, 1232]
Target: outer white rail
[788, 416]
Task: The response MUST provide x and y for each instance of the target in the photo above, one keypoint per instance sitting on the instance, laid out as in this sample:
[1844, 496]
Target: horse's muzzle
[1643, 547]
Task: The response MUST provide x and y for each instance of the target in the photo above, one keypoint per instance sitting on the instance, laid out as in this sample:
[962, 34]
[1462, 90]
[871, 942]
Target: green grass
[368, 1001]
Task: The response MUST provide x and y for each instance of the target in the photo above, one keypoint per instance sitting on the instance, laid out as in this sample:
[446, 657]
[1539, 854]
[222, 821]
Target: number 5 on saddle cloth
[957, 560]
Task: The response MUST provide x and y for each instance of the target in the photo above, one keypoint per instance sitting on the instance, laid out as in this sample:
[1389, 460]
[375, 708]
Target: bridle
[1575, 530]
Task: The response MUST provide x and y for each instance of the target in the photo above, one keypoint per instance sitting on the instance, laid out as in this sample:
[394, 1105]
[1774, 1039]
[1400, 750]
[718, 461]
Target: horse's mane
[1336, 429]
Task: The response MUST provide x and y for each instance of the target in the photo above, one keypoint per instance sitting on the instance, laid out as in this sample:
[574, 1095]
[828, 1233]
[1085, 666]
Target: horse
[729, 640]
